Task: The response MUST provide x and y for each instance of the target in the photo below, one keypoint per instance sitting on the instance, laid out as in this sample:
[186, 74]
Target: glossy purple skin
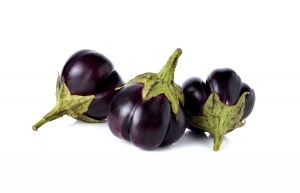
[250, 100]
[195, 95]
[88, 72]
[225, 82]
[147, 125]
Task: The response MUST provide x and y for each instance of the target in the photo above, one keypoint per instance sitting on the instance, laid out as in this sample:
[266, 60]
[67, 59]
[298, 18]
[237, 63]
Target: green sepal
[142, 78]
[161, 83]
[219, 119]
[67, 104]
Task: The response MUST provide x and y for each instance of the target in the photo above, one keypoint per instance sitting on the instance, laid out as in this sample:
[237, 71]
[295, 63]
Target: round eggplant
[84, 88]
[148, 110]
[219, 105]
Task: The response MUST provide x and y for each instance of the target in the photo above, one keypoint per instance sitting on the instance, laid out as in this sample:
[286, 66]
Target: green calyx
[66, 104]
[162, 83]
[219, 119]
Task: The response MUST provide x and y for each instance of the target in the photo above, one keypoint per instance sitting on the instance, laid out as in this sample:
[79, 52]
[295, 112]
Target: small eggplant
[218, 106]
[84, 89]
[148, 110]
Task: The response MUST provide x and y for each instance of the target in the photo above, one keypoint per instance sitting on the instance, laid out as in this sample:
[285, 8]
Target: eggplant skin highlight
[147, 125]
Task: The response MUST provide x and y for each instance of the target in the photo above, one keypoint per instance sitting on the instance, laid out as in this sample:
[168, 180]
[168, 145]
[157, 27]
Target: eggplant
[148, 110]
[219, 105]
[84, 88]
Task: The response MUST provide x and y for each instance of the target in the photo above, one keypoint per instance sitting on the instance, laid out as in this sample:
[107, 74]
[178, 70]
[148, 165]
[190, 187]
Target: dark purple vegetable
[148, 110]
[218, 106]
[84, 89]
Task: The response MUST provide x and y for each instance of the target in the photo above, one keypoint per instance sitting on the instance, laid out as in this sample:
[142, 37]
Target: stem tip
[39, 124]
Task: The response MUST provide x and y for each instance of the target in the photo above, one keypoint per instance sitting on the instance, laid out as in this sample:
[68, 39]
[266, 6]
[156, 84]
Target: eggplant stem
[219, 119]
[39, 124]
[167, 72]
[162, 83]
[218, 142]
[55, 113]
[66, 104]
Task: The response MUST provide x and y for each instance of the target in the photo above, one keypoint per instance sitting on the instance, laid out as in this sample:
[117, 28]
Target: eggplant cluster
[150, 110]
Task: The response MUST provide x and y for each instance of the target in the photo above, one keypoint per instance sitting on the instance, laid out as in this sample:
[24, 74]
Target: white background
[259, 39]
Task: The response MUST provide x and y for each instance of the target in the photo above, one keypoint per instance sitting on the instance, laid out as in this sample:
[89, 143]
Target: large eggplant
[148, 110]
[84, 89]
[219, 105]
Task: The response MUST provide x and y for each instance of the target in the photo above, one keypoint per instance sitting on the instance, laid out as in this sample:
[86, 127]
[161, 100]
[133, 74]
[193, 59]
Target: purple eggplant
[84, 89]
[219, 105]
[148, 110]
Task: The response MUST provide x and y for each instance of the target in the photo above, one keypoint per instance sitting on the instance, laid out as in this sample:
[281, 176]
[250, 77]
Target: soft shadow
[192, 138]
[225, 142]
[189, 138]
[82, 124]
